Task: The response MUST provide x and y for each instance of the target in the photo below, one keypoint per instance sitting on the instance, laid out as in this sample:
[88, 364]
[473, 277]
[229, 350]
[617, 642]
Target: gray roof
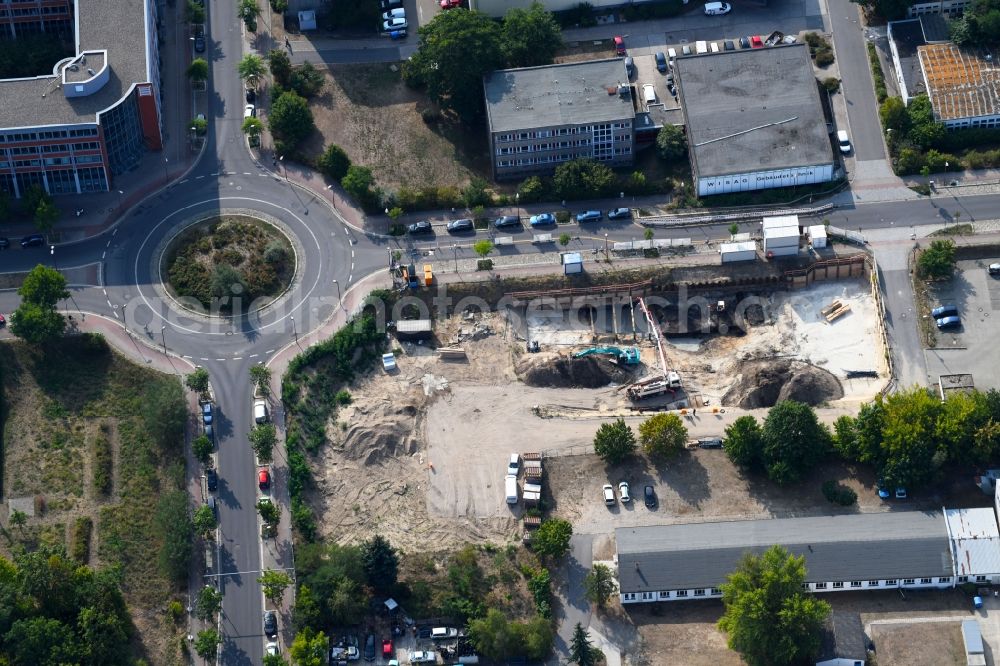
[735, 103]
[573, 93]
[117, 26]
[843, 637]
[873, 546]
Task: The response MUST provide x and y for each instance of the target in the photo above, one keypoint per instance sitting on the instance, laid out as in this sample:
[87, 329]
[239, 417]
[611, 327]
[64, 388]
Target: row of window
[54, 148]
[563, 131]
[992, 122]
[53, 161]
[48, 134]
[599, 153]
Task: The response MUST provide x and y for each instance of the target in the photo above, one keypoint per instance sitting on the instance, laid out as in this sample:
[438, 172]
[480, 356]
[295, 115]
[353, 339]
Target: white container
[572, 263]
[817, 236]
[745, 251]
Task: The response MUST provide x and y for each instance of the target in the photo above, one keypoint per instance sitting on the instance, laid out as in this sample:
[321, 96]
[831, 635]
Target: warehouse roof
[961, 83]
[752, 110]
[115, 26]
[874, 546]
[573, 93]
[975, 541]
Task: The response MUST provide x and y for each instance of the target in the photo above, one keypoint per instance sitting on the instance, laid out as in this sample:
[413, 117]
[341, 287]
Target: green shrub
[80, 547]
[343, 397]
[832, 84]
[824, 57]
[838, 494]
[484, 265]
[881, 93]
[103, 465]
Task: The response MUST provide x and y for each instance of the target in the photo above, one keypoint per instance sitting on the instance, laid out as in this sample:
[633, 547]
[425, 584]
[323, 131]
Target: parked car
[387, 651]
[649, 497]
[398, 12]
[944, 311]
[883, 491]
[946, 323]
[251, 96]
[443, 633]
[465, 224]
[728, 45]
[422, 657]
[34, 240]
[620, 214]
[270, 624]
[211, 479]
[199, 44]
[844, 142]
[3, 321]
[619, 45]
[756, 42]
[421, 227]
[710, 442]
[542, 220]
[206, 413]
[424, 632]
[900, 493]
[589, 216]
[630, 67]
[992, 269]
[744, 42]
[271, 649]
[609, 494]
[514, 464]
[394, 24]
[210, 433]
[686, 49]
[263, 479]
[389, 4]
[661, 62]
[649, 93]
[4, 243]
[717, 8]
[249, 111]
[370, 648]
[506, 221]
[450, 4]
[389, 362]
[260, 410]
[623, 492]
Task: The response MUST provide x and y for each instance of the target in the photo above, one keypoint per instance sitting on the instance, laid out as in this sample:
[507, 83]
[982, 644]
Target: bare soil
[567, 372]
[923, 644]
[766, 383]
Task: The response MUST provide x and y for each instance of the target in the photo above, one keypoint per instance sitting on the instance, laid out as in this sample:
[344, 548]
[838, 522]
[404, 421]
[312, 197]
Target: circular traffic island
[229, 264]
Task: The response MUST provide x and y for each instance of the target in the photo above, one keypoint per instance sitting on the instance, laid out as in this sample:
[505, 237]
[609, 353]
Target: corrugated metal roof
[780, 221]
[877, 546]
[960, 82]
[975, 541]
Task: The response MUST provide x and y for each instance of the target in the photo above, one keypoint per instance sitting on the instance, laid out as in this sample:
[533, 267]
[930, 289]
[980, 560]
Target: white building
[781, 235]
[907, 549]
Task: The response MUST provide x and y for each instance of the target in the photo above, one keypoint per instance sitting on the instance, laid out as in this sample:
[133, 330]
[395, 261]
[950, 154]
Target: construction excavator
[622, 356]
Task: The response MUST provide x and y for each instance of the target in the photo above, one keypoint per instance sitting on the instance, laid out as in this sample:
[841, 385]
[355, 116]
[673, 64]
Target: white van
[844, 141]
[715, 47]
[510, 489]
[671, 56]
[701, 46]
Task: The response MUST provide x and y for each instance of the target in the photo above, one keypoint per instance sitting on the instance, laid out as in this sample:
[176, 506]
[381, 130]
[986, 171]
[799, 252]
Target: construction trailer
[741, 251]
[817, 236]
[572, 263]
[781, 235]
[414, 329]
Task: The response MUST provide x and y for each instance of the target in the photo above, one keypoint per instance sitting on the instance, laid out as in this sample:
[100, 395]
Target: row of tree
[662, 436]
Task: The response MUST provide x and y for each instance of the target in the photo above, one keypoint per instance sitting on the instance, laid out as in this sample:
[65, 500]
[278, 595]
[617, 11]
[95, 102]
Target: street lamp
[121, 202]
[606, 256]
[517, 203]
[124, 318]
[283, 169]
[166, 161]
[294, 332]
[333, 197]
[340, 299]
[163, 336]
[52, 253]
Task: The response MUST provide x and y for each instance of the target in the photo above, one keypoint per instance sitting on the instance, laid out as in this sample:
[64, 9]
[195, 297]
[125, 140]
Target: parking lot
[970, 349]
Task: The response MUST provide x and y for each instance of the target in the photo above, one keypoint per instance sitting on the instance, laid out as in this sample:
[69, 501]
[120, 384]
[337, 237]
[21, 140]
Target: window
[629, 596]
[963, 579]
[838, 585]
[980, 579]
[647, 595]
[820, 586]
[908, 581]
[855, 583]
[944, 580]
[716, 592]
[890, 581]
[925, 581]
[873, 583]
[682, 593]
[664, 595]
[700, 592]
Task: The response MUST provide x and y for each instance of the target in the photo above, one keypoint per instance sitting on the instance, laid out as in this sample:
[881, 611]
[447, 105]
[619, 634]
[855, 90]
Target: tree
[909, 453]
[248, 11]
[204, 520]
[209, 603]
[359, 183]
[334, 162]
[251, 69]
[18, 518]
[744, 443]
[581, 652]
[164, 413]
[530, 37]
[380, 563]
[252, 127]
[290, 121]
[263, 437]
[455, 51]
[270, 512]
[599, 584]
[274, 584]
[937, 262]
[260, 376]
[648, 234]
[663, 435]
[36, 324]
[195, 12]
[483, 247]
[307, 80]
[226, 283]
[43, 286]
[794, 441]
[734, 229]
[564, 239]
[104, 637]
[206, 643]
[199, 126]
[201, 446]
[274, 660]
[197, 381]
[281, 67]
[769, 619]
[347, 602]
[583, 179]
[197, 71]
[307, 611]
[894, 115]
[41, 641]
[498, 638]
[614, 441]
[309, 648]
[46, 215]
[175, 530]
[552, 538]
[671, 143]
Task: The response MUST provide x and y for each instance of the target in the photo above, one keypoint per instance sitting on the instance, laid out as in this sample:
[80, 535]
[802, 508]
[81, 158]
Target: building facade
[850, 552]
[26, 17]
[96, 114]
[540, 117]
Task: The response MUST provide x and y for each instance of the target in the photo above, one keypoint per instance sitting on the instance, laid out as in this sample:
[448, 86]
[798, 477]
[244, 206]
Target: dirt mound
[765, 383]
[568, 372]
[373, 434]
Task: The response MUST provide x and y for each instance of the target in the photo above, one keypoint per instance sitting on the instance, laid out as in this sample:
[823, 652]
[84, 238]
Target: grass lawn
[60, 407]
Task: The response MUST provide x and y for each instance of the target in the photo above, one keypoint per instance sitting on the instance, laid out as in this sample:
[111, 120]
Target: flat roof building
[94, 116]
[540, 117]
[859, 551]
[963, 85]
[754, 119]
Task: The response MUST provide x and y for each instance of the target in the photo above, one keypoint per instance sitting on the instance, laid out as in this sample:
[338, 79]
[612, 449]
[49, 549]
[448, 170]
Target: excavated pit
[764, 383]
[567, 372]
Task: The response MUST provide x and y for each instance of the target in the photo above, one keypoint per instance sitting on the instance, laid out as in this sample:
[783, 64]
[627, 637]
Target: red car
[387, 648]
[756, 42]
[264, 479]
[3, 322]
[619, 46]
[450, 4]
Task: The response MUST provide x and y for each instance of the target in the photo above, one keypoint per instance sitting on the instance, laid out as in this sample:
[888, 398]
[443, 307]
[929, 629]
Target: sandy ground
[924, 644]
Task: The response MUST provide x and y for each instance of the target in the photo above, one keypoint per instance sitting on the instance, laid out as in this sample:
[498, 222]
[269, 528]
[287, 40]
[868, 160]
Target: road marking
[247, 173]
[199, 177]
[217, 174]
[237, 358]
[184, 181]
[352, 253]
[202, 359]
[269, 351]
[103, 254]
[105, 293]
[110, 306]
[185, 356]
[350, 278]
[113, 234]
[220, 359]
[254, 355]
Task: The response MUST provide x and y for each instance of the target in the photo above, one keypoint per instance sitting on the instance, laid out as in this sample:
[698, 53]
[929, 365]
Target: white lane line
[185, 356]
[237, 358]
[109, 305]
[113, 234]
[202, 359]
[104, 254]
[105, 292]
[199, 177]
[350, 278]
[352, 253]
[352, 266]
[269, 351]
[220, 359]
[216, 174]
[247, 173]
[108, 245]
[253, 355]
[184, 181]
